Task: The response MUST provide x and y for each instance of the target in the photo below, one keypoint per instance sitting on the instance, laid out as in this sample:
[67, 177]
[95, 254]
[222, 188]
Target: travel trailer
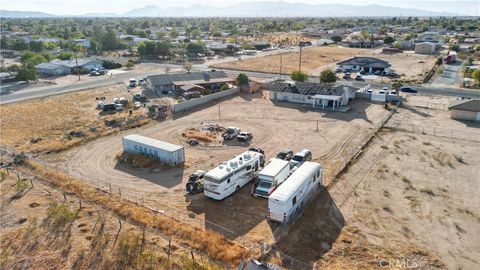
[290, 198]
[230, 176]
[276, 171]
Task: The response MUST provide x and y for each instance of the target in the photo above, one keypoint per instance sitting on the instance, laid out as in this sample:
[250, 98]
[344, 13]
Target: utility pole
[76, 62]
[300, 60]
[280, 74]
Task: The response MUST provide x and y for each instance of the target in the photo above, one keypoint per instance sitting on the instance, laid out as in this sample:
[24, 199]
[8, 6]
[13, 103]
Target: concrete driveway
[451, 75]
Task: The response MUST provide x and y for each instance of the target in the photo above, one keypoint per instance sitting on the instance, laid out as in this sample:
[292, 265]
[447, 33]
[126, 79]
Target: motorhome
[290, 198]
[276, 171]
[230, 176]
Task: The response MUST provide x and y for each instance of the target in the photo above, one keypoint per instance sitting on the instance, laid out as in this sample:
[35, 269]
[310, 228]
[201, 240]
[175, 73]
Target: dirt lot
[339, 134]
[58, 122]
[315, 59]
[413, 195]
[41, 230]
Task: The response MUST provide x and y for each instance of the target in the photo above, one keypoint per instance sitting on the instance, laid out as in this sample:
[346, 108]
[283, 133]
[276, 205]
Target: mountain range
[251, 9]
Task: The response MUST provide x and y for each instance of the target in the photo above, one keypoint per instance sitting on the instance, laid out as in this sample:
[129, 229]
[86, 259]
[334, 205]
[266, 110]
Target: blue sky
[76, 7]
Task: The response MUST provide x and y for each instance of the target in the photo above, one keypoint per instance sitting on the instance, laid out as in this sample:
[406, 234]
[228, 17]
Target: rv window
[294, 201]
[228, 181]
[249, 167]
[318, 174]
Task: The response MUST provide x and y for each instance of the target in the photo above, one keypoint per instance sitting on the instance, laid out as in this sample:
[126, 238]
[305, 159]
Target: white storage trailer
[276, 171]
[289, 199]
[165, 152]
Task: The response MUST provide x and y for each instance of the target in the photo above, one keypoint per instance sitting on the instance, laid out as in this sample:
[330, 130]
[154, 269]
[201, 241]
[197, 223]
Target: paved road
[30, 93]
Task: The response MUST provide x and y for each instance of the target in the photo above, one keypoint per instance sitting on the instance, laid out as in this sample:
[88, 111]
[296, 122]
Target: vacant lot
[59, 122]
[412, 67]
[274, 127]
[414, 195]
[42, 230]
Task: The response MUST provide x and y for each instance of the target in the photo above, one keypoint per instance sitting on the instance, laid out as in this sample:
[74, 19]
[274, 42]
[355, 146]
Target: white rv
[276, 171]
[230, 176]
[288, 199]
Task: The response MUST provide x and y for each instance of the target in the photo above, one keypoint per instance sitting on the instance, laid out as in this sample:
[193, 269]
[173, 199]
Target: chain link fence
[435, 131]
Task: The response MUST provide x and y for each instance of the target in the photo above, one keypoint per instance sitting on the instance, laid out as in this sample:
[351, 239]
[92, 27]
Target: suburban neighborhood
[240, 135]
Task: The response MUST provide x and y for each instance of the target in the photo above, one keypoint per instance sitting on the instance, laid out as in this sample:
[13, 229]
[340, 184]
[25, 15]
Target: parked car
[385, 88]
[139, 97]
[141, 82]
[300, 157]
[393, 92]
[132, 83]
[94, 73]
[338, 70]
[244, 136]
[346, 76]
[377, 72]
[358, 78]
[362, 72]
[285, 154]
[408, 89]
[231, 133]
[137, 105]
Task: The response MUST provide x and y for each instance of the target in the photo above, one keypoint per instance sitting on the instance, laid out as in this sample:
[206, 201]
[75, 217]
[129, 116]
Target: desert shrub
[60, 214]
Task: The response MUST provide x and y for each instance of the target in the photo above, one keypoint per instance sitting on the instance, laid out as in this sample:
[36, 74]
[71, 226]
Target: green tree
[397, 85]
[299, 76]
[337, 39]
[32, 59]
[455, 47]
[195, 47]
[130, 64]
[439, 61]
[26, 72]
[65, 55]
[195, 34]
[20, 45]
[389, 40]
[476, 76]
[36, 46]
[241, 79]
[328, 76]
[173, 33]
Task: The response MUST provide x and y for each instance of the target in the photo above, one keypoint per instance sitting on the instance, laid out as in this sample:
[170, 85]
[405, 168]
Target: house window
[294, 201]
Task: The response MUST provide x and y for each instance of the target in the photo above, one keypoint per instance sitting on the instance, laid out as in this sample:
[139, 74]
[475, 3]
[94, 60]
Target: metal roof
[153, 142]
[197, 77]
[309, 88]
[49, 66]
[291, 185]
[365, 61]
[472, 105]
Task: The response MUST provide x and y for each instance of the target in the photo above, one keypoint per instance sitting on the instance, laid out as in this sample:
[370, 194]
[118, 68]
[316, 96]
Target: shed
[425, 48]
[466, 109]
[165, 152]
[52, 69]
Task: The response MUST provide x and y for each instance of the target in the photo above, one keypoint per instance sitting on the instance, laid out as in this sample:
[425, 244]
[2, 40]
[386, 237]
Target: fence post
[110, 187]
[120, 192]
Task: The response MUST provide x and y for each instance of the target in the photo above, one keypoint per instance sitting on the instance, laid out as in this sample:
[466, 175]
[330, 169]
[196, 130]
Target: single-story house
[51, 69]
[212, 80]
[466, 109]
[425, 48]
[65, 67]
[318, 95]
[368, 64]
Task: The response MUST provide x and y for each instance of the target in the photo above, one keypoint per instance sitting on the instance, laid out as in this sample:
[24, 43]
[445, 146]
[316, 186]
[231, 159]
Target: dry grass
[315, 59]
[204, 136]
[210, 243]
[137, 160]
[44, 125]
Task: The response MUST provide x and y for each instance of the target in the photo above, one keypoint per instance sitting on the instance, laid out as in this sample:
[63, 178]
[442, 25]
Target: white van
[272, 176]
[290, 197]
[300, 157]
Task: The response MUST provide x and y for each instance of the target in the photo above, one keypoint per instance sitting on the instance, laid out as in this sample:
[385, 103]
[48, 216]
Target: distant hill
[24, 14]
[253, 9]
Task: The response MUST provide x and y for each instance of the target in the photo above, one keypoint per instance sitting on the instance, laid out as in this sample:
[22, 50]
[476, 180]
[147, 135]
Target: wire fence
[428, 105]
[435, 131]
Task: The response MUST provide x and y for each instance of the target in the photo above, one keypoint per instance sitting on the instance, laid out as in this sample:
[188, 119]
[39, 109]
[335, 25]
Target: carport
[324, 99]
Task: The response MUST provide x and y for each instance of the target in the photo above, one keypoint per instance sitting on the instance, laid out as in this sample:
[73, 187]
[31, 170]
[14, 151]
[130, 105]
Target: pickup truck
[244, 136]
[231, 133]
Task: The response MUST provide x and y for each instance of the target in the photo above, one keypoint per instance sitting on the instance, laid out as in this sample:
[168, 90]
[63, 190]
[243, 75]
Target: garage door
[477, 119]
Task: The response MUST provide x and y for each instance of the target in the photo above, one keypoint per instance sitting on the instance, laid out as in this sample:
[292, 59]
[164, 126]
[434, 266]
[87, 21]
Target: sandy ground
[407, 191]
[95, 162]
[52, 119]
[315, 59]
